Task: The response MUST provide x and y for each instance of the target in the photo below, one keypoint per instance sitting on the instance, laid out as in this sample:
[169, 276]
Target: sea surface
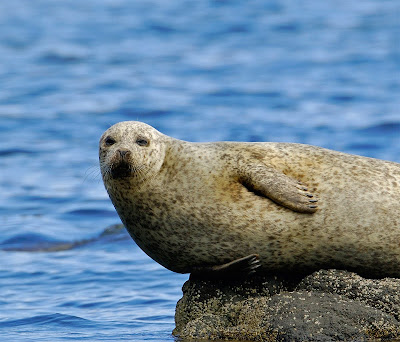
[317, 72]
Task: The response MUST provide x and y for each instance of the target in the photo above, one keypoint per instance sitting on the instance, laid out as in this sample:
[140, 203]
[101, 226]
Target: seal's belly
[181, 235]
[182, 232]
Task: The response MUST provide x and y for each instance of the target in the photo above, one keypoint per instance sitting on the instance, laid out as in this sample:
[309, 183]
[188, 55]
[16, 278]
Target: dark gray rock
[328, 305]
[383, 294]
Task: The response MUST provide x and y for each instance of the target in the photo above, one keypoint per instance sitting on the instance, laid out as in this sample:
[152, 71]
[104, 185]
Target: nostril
[123, 153]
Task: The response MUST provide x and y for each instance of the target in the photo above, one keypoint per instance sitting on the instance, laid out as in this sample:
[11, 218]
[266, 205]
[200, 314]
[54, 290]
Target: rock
[383, 294]
[329, 305]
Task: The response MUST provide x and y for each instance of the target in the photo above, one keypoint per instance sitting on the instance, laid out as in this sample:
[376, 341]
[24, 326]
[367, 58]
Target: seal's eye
[142, 142]
[109, 141]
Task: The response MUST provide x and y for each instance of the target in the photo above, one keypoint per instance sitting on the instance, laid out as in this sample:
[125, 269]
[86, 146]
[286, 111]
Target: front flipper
[280, 188]
[238, 268]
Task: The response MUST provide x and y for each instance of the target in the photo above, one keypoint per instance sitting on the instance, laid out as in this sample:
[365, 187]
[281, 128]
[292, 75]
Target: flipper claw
[238, 268]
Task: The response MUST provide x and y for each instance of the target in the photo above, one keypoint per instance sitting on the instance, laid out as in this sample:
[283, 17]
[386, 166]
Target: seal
[238, 207]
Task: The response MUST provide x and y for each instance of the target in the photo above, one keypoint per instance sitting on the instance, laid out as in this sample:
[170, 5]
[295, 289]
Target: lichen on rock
[329, 305]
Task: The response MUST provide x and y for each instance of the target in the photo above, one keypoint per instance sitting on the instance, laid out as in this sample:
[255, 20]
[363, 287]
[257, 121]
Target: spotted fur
[187, 204]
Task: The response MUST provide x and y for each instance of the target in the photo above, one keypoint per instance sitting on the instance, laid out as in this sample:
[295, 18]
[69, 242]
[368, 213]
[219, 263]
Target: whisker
[93, 172]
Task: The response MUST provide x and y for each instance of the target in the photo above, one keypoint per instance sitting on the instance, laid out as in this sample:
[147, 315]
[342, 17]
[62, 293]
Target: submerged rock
[329, 305]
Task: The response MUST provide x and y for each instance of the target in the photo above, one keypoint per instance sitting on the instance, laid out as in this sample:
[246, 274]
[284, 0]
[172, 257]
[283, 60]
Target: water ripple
[35, 242]
[49, 320]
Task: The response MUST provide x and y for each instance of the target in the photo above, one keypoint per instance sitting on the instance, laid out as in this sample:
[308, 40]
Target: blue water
[317, 72]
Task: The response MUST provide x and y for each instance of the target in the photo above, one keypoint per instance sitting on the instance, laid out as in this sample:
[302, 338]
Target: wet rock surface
[328, 305]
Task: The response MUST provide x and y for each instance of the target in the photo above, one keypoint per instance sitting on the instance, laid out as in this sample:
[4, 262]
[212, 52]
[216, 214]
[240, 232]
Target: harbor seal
[226, 207]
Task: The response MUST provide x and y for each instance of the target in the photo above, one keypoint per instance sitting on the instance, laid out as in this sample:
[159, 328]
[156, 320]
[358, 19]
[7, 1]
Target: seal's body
[195, 206]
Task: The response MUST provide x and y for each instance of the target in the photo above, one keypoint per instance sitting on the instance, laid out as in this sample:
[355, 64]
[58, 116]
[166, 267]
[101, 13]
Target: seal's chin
[121, 170]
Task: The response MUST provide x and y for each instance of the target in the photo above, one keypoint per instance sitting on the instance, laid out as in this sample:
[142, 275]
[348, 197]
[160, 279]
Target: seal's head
[130, 151]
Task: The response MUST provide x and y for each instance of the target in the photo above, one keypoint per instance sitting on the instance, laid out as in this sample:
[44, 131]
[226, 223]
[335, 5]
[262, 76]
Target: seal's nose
[123, 153]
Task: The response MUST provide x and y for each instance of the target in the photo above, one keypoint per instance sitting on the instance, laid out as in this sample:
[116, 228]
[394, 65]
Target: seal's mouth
[121, 170]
